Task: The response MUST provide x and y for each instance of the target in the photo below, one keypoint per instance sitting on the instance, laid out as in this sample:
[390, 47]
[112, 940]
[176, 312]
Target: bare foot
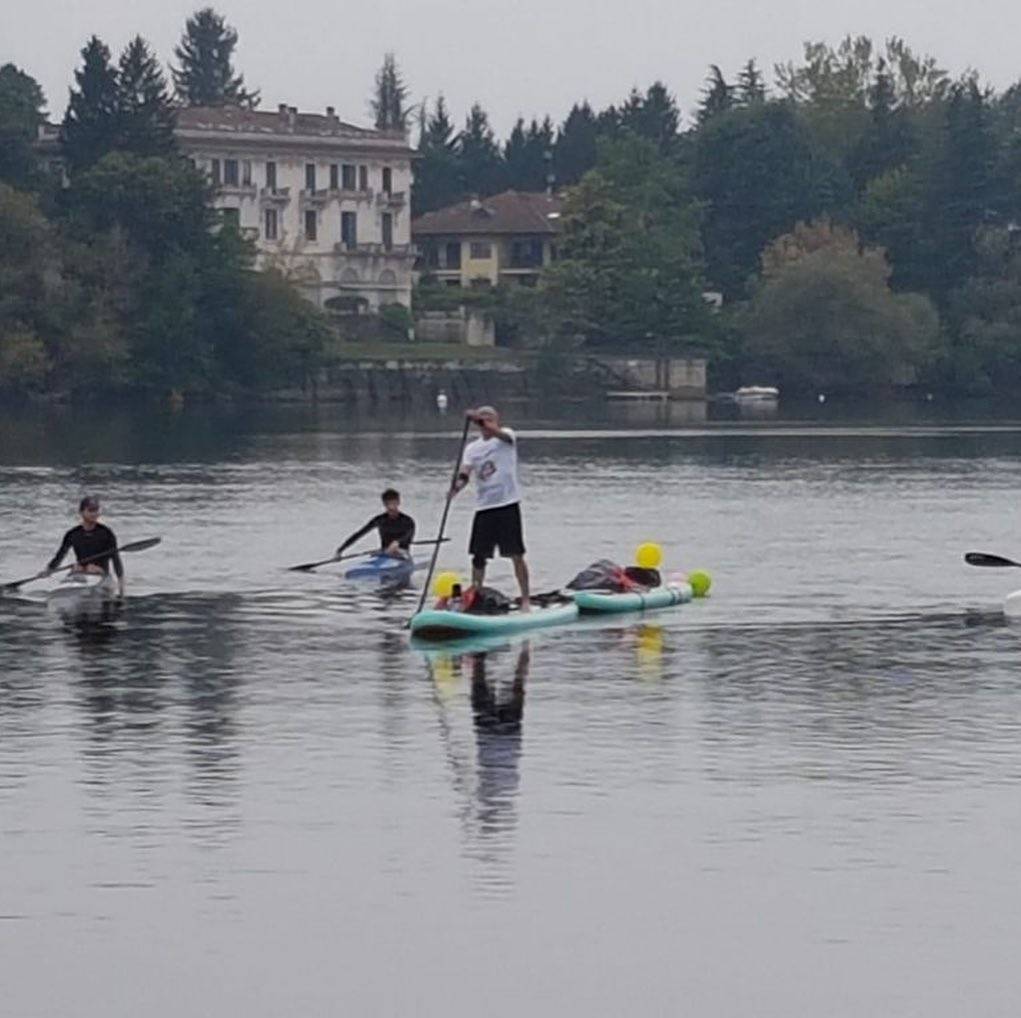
[526, 604]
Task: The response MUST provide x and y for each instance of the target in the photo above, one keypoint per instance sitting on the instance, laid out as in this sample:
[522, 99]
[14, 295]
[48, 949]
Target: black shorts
[497, 528]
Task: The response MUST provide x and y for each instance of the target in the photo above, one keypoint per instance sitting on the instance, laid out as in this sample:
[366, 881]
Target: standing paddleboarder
[493, 460]
[91, 540]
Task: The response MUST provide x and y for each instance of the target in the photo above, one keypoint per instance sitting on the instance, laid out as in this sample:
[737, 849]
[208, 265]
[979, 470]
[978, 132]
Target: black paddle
[150, 542]
[306, 566]
[980, 558]
[443, 518]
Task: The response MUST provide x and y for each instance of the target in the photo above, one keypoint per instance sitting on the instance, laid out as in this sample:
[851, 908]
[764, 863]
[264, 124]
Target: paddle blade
[149, 542]
[980, 558]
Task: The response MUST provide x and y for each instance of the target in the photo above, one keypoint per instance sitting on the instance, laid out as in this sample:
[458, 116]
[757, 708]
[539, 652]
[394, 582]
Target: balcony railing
[393, 198]
[275, 194]
[376, 250]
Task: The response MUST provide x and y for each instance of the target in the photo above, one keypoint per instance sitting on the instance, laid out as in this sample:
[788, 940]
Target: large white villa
[326, 202]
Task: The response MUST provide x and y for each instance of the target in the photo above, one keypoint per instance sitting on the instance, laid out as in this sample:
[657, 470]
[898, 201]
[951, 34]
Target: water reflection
[488, 780]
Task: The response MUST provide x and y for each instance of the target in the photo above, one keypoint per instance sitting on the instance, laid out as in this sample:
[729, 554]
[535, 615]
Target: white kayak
[80, 592]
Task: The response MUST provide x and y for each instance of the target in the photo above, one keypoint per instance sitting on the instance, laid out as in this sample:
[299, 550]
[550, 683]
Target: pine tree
[481, 164]
[437, 171]
[528, 154]
[90, 124]
[888, 140]
[653, 116]
[389, 101]
[575, 153]
[145, 116]
[751, 86]
[717, 96]
[21, 106]
[206, 75]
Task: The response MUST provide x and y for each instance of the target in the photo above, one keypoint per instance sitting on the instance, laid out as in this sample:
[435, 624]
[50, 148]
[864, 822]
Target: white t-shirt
[494, 465]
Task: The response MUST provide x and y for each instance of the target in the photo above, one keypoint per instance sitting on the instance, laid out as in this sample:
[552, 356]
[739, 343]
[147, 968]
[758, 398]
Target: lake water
[246, 794]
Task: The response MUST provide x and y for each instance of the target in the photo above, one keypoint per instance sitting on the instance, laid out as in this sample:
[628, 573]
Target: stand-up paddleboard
[439, 624]
[599, 601]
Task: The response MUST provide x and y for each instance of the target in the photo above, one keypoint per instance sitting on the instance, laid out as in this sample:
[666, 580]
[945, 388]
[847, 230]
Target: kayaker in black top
[88, 540]
[396, 529]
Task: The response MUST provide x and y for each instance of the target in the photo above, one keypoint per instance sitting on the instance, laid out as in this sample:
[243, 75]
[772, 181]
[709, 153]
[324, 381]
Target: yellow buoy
[649, 556]
[443, 585]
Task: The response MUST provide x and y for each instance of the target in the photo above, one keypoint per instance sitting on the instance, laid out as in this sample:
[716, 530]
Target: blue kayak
[383, 569]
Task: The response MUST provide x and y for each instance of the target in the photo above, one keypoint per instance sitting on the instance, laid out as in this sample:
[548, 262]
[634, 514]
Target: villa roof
[510, 212]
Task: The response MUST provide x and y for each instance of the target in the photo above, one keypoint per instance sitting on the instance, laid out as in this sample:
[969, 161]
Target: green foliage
[205, 75]
[824, 317]
[984, 317]
[145, 117]
[90, 124]
[717, 96]
[21, 114]
[437, 173]
[629, 273]
[577, 145]
[479, 158]
[389, 101]
[759, 171]
[528, 155]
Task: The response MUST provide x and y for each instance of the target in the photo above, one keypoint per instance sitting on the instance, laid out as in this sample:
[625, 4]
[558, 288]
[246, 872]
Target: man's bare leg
[478, 575]
[521, 572]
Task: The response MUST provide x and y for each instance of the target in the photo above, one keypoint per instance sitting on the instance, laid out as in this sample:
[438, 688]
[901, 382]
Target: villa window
[388, 180]
[230, 172]
[271, 176]
[311, 224]
[214, 172]
[310, 176]
[453, 253]
[348, 173]
[246, 173]
[334, 176]
[388, 231]
[349, 230]
[481, 250]
[271, 224]
[363, 178]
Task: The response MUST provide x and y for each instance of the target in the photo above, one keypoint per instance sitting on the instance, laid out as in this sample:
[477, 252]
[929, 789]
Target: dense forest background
[857, 210]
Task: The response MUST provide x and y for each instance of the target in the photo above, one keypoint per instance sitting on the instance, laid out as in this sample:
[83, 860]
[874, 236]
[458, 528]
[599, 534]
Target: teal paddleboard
[437, 624]
[598, 601]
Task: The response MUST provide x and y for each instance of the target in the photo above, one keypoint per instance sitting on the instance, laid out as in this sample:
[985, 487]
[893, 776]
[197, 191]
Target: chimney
[282, 109]
[330, 112]
[292, 115]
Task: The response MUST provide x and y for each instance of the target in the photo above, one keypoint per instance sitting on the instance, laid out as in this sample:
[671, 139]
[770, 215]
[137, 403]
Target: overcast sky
[516, 57]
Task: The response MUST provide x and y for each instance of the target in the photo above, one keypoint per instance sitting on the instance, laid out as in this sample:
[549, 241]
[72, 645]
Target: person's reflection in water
[497, 709]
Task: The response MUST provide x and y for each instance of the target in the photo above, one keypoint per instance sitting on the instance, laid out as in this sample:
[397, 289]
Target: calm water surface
[246, 794]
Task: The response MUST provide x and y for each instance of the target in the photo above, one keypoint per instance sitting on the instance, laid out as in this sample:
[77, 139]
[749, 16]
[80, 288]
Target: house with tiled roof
[505, 239]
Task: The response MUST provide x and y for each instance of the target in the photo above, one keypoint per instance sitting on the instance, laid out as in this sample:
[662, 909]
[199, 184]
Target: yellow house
[507, 238]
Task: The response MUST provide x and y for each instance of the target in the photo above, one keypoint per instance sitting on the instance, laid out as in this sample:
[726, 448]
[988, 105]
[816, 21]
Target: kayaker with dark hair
[493, 460]
[396, 529]
[91, 540]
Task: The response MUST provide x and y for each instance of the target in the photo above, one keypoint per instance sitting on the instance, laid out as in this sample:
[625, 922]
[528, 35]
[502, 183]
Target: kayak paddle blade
[981, 558]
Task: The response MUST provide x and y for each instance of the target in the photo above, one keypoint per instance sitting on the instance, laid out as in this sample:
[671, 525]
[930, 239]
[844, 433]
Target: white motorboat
[757, 394]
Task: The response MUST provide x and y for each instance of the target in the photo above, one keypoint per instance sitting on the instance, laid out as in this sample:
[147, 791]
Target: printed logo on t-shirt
[487, 470]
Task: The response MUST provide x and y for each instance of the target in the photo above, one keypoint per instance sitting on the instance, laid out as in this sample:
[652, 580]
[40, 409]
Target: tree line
[860, 215]
[125, 279]
[858, 212]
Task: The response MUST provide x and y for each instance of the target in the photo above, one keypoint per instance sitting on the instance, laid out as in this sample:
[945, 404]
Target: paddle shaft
[150, 542]
[446, 513]
[305, 567]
